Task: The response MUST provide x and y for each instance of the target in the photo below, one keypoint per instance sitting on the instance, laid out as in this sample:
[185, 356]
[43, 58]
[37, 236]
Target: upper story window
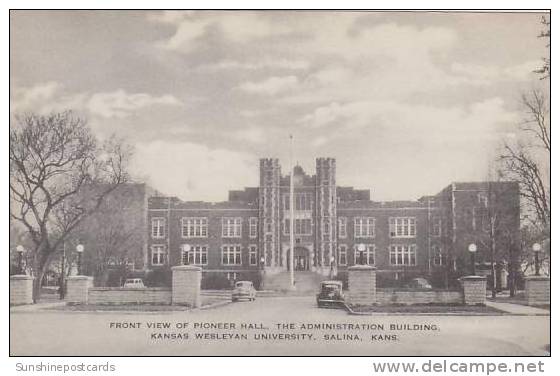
[482, 199]
[231, 255]
[365, 256]
[302, 226]
[364, 227]
[435, 226]
[327, 229]
[158, 255]
[342, 227]
[302, 201]
[438, 256]
[268, 226]
[194, 227]
[253, 227]
[196, 255]
[231, 227]
[403, 254]
[158, 227]
[402, 227]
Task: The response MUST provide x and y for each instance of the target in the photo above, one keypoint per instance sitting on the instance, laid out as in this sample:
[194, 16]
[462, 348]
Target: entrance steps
[305, 281]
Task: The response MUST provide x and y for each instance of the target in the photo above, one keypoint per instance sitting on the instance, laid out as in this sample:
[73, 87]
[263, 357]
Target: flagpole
[291, 212]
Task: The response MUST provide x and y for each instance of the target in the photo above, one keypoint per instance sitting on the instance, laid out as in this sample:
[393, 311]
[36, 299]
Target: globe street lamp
[361, 250]
[80, 250]
[262, 273]
[536, 249]
[332, 268]
[20, 250]
[186, 250]
[472, 250]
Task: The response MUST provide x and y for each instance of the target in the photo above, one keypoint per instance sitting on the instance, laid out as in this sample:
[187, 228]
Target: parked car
[243, 290]
[134, 283]
[419, 283]
[330, 294]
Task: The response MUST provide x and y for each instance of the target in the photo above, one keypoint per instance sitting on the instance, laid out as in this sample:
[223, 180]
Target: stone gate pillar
[537, 290]
[77, 287]
[474, 290]
[21, 289]
[185, 287]
[362, 285]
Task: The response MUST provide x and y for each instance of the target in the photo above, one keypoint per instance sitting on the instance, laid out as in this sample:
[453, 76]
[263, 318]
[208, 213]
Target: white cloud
[121, 104]
[267, 63]
[491, 74]
[271, 85]
[192, 171]
[255, 135]
[52, 97]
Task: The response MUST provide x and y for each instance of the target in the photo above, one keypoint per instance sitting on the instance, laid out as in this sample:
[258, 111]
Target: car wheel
[233, 300]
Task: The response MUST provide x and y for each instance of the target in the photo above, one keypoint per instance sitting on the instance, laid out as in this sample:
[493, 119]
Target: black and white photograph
[279, 183]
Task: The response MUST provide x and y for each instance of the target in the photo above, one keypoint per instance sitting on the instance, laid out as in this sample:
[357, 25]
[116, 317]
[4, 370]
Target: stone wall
[537, 290]
[21, 289]
[118, 295]
[474, 290]
[186, 285]
[409, 296]
[77, 287]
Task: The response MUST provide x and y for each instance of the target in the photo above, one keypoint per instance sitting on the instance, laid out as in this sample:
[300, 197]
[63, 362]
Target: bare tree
[545, 69]
[56, 169]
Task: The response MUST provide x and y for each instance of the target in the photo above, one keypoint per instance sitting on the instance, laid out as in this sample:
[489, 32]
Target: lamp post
[262, 273]
[332, 268]
[20, 250]
[187, 249]
[472, 250]
[361, 250]
[536, 249]
[80, 250]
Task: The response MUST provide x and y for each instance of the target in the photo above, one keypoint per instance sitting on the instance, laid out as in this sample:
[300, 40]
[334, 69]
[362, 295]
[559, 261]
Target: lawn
[427, 309]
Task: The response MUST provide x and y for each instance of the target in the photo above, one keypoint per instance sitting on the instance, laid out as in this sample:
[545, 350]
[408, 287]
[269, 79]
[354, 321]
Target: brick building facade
[247, 237]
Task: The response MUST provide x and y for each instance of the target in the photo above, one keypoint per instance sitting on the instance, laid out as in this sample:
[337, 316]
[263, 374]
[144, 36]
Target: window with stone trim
[194, 227]
[403, 254]
[158, 227]
[197, 255]
[438, 256]
[435, 226]
[302, 226]
[365, 257]
[231, 254]
[231, 227]
[402, 227]
[158, 255]
[364, 227]
[253, 255]
[253, 227]
[342, 255]
[342, 228]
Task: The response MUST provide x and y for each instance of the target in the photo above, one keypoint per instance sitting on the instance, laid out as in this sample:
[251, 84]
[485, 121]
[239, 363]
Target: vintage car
[330, 294]
[243, 290]
[134, 283]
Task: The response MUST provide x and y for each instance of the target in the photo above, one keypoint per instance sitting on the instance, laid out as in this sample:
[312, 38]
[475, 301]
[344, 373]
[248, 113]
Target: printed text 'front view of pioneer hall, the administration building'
[335, 226]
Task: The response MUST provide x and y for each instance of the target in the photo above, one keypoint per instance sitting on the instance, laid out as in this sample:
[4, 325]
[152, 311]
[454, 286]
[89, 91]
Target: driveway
[273, 326]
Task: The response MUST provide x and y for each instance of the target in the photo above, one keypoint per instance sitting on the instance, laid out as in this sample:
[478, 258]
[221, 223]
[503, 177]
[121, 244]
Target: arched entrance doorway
[301, 259]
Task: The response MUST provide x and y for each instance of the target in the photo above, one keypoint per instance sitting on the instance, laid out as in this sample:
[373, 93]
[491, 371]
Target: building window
[231, 227]
[302, 201]
[438, 257]
[302, 226]
[402, 227]
[483, 199]
[196, 255]
[158, 228]
[158, 255]
[231, 255]
[435, 228]
[194, 227]
[364, 227]
[326, 229]
[253, 227]
[231, 276]
[268, 226]
[365, 257]
[342, 227]
[403, 255]
[253, 260]
[342, 255]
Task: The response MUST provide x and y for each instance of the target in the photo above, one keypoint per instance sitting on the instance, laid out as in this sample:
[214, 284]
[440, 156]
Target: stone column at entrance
[362, 285]
[537, 290]
[21, 289]
[474, 290]
[77, 289]
[185, 286]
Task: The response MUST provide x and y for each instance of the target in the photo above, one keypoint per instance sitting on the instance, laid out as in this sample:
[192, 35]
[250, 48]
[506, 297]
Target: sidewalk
[518, 309]
[37, 306]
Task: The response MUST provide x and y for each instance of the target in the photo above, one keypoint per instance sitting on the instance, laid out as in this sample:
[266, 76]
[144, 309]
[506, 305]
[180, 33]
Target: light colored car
[243, 290]
[134, 283]
[419, 283]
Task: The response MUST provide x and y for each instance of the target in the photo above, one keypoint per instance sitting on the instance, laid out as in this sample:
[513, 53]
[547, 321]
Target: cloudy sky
[407, 102]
